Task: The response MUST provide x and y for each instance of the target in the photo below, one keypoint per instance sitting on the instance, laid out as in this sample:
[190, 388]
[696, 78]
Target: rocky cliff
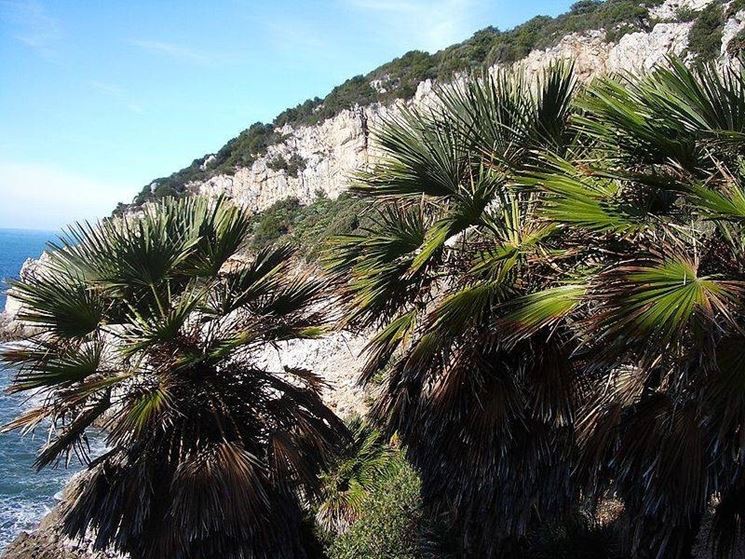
[338, 146]
[333, 149]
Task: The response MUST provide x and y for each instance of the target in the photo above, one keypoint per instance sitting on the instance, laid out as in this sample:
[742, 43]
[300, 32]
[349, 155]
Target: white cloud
[430, 25]
[32, 25]
[42, 197]
[117, 93]
[296, 36]
[172, 50]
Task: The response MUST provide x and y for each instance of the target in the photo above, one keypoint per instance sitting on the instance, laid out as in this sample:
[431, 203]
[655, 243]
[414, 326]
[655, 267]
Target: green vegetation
[705, 37]
[684, 13]
[292, 166]
[390, 526]
[555, 281]
[354, 476]
[399, 78]
[209, 454]
[308, 228]
[736, 46]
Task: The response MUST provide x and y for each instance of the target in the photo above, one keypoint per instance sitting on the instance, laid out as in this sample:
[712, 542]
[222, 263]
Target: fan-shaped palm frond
[147, 327]
[358, 470]
[582, 302]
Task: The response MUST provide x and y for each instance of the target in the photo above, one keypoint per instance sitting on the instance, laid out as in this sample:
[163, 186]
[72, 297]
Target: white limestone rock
[336, 358]
[668, 10]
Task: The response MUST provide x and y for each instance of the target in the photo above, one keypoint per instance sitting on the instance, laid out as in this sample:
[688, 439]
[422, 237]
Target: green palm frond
[361, 467]
[543, 309]
[561, 324]
[516, 238]
[45, 364]
[376, 268]
[141, 411]
[61, 303]
[382, 345]
[661, 298]
[724, 203]
[705, 100]
[424, 158]
[163, 323]
[126, 253]
[222, 229]
[668, 115]
[248, 283]
[618, 116]
[582, 198]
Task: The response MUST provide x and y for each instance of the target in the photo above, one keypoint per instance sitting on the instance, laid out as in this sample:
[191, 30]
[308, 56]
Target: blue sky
[97, 98]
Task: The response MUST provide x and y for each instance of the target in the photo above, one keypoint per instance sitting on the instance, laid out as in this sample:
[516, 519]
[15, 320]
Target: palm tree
[558, 286]
[358, 469]
[152, 328]
[658, 204]
[483, 403]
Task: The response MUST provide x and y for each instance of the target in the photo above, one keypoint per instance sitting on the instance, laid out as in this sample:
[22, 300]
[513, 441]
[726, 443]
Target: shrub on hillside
[705, 37]
[292, 166]
[307, 227]
[685, 13]
[391, 523]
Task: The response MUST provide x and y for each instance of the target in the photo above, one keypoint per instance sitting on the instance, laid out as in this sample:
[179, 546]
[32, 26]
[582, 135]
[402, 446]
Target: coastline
[46, 541]
[334, 357]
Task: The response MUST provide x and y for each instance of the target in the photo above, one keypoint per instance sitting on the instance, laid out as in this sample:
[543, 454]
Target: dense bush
[391, 523]
[685, 13]
[292, 166]
[307, 227]
[705, 36]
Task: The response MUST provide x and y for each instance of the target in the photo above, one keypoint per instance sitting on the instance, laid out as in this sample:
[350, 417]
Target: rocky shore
[333, 150]
[336, 357]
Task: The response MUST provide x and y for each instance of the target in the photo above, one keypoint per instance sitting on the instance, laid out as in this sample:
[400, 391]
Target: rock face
[334, 149]
[336, 358]
[11, 327]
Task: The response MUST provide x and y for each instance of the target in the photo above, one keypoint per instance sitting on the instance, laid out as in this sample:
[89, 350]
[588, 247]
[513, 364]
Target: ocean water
[16, 245]
[25, 495]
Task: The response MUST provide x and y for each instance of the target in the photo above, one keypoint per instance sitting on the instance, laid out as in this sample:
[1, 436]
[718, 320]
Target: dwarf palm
[658, 206]
[151, 328]
[363, 462]
[562, 309]
[485, 413]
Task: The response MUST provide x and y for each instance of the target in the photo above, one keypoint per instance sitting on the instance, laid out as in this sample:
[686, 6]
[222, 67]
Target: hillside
[293, 174]
[312, 147]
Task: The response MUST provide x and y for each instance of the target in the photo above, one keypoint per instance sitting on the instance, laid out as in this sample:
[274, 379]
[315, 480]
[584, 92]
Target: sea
[25, 495]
